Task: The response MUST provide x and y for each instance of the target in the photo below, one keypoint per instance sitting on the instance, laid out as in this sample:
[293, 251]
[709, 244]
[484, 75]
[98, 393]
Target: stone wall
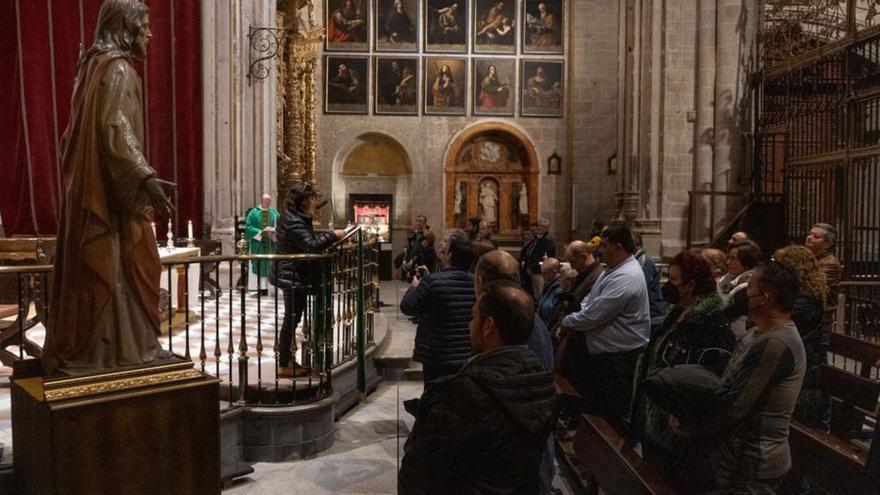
[585, 137]
[662, 87]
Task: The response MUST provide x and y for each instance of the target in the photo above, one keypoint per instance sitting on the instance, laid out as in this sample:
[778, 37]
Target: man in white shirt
[615, 321]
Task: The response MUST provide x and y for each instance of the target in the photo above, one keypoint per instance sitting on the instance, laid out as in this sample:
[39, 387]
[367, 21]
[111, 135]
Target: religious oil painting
[446, 24]
[542, 88]
[346, 24]
[494, 26]
[445, 86]
[346, 80]
[397, 86]
[396, 28]
[543, 26]
[493, 86]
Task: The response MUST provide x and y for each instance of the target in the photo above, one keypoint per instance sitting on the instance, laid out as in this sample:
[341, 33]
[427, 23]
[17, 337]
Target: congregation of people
[705, 364]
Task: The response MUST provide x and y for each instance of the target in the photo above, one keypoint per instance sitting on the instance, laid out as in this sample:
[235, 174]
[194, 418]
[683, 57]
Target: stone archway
[487, 153]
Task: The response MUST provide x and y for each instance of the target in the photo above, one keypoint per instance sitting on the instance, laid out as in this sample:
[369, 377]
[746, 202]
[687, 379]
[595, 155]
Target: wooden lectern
[145, 430]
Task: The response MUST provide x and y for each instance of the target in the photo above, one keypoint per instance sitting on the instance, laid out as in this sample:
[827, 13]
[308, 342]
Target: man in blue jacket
[442, 303]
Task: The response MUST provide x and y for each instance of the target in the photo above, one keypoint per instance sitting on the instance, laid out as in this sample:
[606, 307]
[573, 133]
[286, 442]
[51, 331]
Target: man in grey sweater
[760, 388]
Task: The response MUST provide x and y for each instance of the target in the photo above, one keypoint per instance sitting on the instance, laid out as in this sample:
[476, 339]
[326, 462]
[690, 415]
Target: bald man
[737, 237]
[259, 231]
[580, 255]
[500, 265]
[548, 300]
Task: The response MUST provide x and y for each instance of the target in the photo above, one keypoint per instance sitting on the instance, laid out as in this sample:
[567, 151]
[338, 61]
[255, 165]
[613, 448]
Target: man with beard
[398, 25]
[447, 28]
[104, 310]
[485, 428]
[345, 86]
[391, 78]
[544, 29]
[490, 21]
[405, 92]
[347, 25]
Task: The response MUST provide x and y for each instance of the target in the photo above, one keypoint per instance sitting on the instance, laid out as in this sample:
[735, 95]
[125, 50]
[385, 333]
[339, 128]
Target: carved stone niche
[492, 162]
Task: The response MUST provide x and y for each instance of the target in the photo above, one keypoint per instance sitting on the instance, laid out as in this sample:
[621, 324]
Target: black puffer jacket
[443, 303]
[483, 430]
[295, 234]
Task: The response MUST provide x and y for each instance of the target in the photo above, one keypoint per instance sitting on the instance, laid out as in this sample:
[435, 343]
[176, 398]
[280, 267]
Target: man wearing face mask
[615, 322]
[760, 388]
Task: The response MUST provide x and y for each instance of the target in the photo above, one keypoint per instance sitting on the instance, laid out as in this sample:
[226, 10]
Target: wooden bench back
[613, 462]
[832, 460]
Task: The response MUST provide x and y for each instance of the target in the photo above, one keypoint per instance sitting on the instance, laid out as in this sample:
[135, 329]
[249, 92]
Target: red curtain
[42, 40]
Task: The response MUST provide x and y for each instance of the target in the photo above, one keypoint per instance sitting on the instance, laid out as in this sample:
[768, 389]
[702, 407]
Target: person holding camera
[442, 302]
[295, 234]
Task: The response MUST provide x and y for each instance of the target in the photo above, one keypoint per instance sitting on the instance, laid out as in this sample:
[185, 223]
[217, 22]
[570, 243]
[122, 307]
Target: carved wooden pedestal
[150, 430]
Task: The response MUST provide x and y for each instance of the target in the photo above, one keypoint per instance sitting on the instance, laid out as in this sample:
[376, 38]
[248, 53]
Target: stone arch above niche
[499, 152]
[376, 154]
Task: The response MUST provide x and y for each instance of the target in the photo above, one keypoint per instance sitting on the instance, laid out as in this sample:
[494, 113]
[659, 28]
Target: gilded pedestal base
[150, 430]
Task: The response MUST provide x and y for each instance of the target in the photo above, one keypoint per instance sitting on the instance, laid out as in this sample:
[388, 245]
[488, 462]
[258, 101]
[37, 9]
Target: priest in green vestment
[260, 234]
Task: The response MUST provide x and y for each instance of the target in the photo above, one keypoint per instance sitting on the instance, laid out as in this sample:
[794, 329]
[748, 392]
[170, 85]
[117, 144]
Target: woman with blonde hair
[812, 405]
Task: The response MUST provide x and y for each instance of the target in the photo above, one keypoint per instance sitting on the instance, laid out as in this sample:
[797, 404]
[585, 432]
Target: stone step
[399, 369]
[414, 372]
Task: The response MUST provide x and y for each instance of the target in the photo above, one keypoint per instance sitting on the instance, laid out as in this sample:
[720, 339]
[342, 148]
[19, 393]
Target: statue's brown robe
[104, 306]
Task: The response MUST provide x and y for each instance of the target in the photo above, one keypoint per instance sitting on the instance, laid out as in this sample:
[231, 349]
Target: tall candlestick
[189, 230]
[170, 236]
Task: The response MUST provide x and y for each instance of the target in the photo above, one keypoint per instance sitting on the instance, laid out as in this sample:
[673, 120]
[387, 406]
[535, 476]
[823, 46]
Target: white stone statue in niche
[524, 199]
[457, 203]
[488, 202]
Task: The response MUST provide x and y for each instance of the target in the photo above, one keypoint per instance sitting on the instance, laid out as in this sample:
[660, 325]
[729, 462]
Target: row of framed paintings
[443, 85]
[445, 26]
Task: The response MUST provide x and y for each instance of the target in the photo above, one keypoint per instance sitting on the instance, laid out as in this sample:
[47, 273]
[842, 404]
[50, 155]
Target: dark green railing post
[361, 359]
[322, 320]
[327, 320]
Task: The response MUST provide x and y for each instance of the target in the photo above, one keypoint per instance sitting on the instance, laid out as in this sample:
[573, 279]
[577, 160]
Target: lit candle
[189, 230]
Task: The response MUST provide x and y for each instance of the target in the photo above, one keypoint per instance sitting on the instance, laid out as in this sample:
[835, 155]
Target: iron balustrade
[232, 332]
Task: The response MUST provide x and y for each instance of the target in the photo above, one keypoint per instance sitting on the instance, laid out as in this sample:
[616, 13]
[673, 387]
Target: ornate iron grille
[819, 125]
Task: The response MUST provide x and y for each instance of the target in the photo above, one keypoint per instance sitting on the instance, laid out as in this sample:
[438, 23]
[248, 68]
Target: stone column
[238, 117]
[736, 60]
[704, 132]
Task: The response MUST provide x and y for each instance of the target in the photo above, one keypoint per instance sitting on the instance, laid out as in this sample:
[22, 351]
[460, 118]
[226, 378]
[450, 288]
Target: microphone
[322, 204]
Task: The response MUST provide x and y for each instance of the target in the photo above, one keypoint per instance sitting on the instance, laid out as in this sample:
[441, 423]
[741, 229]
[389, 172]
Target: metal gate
[818, 136]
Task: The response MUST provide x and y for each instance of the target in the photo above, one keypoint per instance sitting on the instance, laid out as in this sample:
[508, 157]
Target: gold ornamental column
[297, 63]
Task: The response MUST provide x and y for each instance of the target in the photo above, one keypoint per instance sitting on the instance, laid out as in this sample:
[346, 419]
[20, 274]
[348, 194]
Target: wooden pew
[833, 461]
[613, 463]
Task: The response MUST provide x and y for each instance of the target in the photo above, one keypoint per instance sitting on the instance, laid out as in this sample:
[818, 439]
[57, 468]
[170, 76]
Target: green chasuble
[257, 220]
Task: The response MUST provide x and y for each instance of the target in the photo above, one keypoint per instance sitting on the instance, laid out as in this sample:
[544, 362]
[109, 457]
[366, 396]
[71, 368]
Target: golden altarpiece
[296, 63]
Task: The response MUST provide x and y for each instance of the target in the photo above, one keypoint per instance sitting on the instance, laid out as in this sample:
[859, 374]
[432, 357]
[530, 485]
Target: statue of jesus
[104, 309]
[488, 203]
